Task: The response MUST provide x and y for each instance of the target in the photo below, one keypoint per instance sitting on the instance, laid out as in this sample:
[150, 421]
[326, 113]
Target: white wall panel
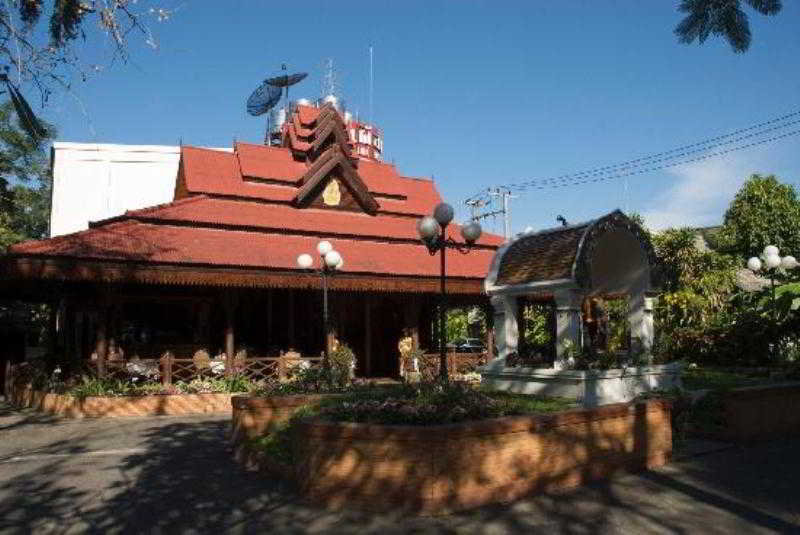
[92, 182]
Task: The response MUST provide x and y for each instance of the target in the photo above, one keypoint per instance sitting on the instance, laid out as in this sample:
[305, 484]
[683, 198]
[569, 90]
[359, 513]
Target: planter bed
[441, 468]
[119, 406]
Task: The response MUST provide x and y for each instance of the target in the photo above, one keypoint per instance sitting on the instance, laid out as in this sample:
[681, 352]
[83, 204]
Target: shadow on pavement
[176, 475]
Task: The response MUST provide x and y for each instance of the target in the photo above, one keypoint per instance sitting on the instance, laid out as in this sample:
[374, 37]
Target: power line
[660, 167]
[666, 158]
[672, 154]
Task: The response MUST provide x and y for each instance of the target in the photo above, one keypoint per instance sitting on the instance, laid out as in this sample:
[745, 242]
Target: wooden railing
[457, 364]
[169, 369]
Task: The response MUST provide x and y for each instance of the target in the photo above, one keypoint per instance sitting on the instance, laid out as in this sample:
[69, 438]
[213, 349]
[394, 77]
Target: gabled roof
[252, 210]
[319, 173]
[558, 256]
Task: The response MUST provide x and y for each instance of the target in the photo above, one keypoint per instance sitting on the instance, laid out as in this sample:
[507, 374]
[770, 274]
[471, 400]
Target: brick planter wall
[762, 412]
[119, 406]
[442, 468]
[253, 416]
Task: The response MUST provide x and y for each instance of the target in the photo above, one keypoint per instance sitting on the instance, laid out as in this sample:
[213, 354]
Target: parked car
[471, 345]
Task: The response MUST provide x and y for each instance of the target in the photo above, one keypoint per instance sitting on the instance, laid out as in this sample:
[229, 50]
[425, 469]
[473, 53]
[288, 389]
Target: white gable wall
[97, 181]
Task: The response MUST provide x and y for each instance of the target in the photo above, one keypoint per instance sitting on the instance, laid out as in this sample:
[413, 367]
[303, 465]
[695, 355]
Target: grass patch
[528, 404]
[710, 379]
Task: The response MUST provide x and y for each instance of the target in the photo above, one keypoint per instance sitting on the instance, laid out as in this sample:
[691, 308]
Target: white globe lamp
[304, 261]
[788, 262]
[772, 261]
[771, 250]
[332, 259]
[324, 247]
[754, 264]
[428, 228]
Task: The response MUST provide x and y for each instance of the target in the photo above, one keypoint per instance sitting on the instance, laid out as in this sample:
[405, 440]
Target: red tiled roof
[220, 173]
[259, 161]
[243, 209]
[172, 244]
[295, 142]
[307, 114]
[276, 217]
[382, 178]
[217, 173]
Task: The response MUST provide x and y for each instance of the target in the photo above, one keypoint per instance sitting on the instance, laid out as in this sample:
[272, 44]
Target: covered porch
[167, 318]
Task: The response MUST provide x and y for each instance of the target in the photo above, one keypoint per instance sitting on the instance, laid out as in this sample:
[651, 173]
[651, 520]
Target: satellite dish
[263, 99]
[285, 80]
[268, 94]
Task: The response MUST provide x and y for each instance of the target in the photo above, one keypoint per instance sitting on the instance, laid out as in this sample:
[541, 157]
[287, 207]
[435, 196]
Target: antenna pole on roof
[371, 84]
[502, 194]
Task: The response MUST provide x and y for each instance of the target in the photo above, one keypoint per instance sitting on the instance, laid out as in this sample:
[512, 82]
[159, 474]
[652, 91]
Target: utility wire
[659, 167]
[648, 161]
[679, 152]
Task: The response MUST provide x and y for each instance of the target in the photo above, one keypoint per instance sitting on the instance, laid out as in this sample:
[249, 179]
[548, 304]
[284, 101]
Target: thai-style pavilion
[216, 267]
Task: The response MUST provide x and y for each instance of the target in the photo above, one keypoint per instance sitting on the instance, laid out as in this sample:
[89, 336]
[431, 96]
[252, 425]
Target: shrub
[341, 361]
[228, 385]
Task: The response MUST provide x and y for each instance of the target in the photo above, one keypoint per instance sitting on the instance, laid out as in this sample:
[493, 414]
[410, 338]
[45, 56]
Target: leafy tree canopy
[24, 181]
[721, 18]
[764, 212]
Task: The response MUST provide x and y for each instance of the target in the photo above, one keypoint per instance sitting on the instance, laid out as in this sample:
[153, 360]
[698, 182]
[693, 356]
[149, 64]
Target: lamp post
[770, 262]
[331, 261]
[432, 231]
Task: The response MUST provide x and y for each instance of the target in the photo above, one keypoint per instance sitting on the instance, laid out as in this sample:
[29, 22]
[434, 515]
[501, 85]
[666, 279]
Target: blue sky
[473, 93]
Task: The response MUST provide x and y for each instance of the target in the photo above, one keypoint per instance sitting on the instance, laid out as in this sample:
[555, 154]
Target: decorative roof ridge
[552, 230]
[141, 211]
[300, 128]
[334, 156]
[292, 142]
[331, 125]
[320, 162]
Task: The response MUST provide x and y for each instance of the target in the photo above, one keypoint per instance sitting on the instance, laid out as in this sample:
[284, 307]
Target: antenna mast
[503, 195]
[330, 80]
[371, 83]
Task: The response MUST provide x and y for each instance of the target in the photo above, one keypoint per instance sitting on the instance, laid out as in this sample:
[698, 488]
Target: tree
[24, 181]
[48, 58]
[721, 18]
[764, 212]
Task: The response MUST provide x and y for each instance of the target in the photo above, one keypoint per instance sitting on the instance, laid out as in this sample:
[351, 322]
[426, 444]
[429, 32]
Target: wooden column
[411, 316]
[291, 319]
[113, 325]
[367, 335]
[269, 318]
[229, 303]
[101, 340]
[102, 328]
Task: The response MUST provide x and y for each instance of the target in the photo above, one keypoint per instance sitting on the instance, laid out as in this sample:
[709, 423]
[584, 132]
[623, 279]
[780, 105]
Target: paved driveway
[174, 475]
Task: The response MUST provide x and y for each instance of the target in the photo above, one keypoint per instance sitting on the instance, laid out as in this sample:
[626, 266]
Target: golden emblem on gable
[332, 195]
